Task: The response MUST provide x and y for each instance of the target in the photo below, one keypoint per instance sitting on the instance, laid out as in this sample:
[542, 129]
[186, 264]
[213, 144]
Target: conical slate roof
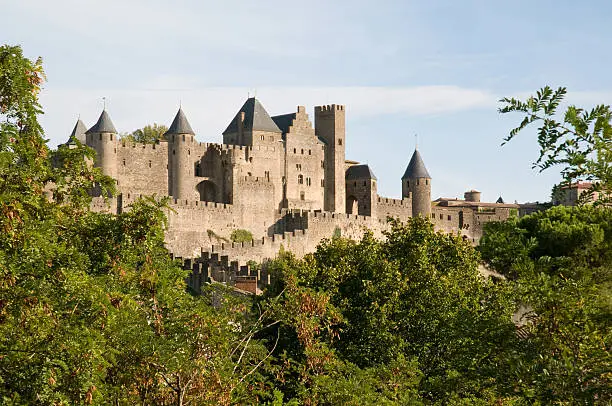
[500, 200]
[104, 125]
[78, 133]
[416, 167]
[180, 124]
[359, 172]
[256, 118]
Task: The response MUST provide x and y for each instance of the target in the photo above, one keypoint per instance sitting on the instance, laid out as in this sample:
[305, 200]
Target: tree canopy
[580, 140]
[149, 134]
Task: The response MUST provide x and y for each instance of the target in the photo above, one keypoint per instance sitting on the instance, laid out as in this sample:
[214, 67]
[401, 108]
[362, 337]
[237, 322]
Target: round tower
[102, 137]
[472, 196]
[416, 183]
[181, 160]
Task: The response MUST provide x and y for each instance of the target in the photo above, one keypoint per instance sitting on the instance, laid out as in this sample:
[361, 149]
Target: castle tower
[252, 125]
[102, 137]
[78, 134]
[330, 127]
[361, 192]
[181, 161]
[417, 182]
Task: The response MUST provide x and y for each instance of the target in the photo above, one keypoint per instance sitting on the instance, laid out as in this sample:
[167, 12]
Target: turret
[361, 192]
[77, 134]
[181, 161]
[417, 182]
[102, 137]
[331, 128]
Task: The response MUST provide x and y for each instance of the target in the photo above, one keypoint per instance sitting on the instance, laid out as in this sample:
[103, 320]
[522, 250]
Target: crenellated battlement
[329, 108]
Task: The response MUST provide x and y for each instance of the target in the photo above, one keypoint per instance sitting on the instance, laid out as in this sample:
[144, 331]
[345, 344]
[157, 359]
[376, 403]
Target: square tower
[330, 127]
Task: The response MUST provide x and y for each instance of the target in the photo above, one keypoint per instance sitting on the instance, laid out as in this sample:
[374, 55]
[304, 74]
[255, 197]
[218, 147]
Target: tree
[149, 134]
[92, 308]
[580, 141]
[559, 262]
[415, 301]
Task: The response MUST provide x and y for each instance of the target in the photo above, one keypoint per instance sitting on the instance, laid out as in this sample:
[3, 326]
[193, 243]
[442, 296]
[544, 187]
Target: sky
[433, 68]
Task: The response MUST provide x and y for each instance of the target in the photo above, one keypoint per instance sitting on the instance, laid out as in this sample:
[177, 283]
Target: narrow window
[300, 179]
[302, 196]
[322, 182]
[183, 137]
[418, 182]
[309, 152]
[262, 137]
[295, 150]
[302, 151]
[124, 162]
[322, 164]
[426, 181]
[173, 152]
[355, 184]
[433, 215]
[188, 152]
[365, 183]
[449, 218]
[339, 141]
[441, 216]
[100, 137]
[149, 164]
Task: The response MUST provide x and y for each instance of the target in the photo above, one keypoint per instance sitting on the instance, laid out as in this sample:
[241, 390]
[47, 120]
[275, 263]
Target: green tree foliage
[580, 141]
[92, 308]
[149, 134]
[240, 235]
[414, 306]
[559, 261]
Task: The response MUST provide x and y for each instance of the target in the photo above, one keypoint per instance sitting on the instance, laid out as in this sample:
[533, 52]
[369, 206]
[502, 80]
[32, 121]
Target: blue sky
[434, 68]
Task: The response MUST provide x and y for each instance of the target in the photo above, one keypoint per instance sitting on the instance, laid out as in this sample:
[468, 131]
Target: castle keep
[282, 178]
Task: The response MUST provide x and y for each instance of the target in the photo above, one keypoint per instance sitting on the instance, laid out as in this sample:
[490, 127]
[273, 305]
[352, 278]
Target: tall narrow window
[302, 196]
[300, 179]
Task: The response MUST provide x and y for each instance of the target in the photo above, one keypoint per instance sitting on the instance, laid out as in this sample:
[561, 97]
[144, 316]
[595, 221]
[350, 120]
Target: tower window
[433, 215]
[449, 218]
[302, 196]
[339, 141]
[149, 164]
[427, 181]
[365, 183]
[302, 151]
[295, 150]
[262, 137]
[300, 179]
[124, 162]
[309, 152]
[418, 182]
[308, 182]
[441, 216]
[322, 164]
[298, 167]
[322, 182]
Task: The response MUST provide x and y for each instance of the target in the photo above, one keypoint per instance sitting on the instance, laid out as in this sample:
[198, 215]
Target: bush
[241, 235]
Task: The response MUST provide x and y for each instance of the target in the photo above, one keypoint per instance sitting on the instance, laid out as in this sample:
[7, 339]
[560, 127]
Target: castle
[279, 177]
